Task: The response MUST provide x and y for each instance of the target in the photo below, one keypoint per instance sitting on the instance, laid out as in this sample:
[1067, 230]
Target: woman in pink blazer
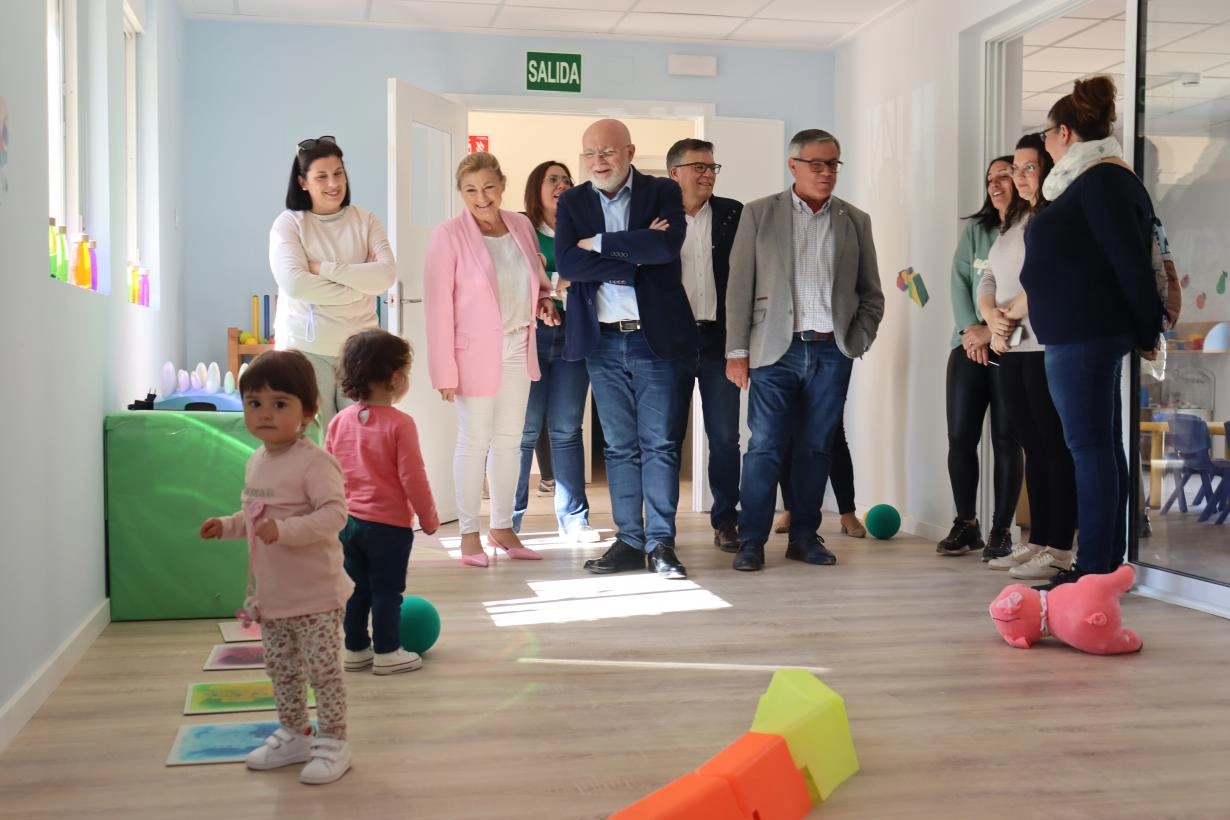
[483, 285]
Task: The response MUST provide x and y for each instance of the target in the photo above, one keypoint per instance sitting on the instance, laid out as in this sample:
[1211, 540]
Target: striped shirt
[813, 266]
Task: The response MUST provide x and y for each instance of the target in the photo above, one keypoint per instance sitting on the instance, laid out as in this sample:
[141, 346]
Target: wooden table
[1157, 434]
[235, 352]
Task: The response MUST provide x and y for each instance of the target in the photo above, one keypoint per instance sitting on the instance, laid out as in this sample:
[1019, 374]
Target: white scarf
[1080, 156]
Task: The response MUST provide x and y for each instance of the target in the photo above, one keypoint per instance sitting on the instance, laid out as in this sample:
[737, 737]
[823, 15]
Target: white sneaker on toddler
[282, 748]
[330, 760]
[399, 660]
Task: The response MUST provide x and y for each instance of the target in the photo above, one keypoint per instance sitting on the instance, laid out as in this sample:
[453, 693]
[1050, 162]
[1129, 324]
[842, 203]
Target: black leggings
[841, 473]
[971, 387]
[1049, 473]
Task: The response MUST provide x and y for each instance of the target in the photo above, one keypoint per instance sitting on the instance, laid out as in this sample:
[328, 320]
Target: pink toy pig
[1084, 614]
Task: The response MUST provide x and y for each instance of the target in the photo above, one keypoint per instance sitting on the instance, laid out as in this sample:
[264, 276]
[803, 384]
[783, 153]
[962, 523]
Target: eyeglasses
[606, 154]
[556, 179]
[819, 166]
[1027, 168]
[1042, 134]
[701, 167]
[309, 145]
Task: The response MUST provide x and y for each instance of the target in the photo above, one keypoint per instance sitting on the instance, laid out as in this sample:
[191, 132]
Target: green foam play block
[811, 718]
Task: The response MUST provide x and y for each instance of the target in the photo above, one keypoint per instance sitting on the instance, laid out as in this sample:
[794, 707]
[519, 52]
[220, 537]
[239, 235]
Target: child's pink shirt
[386, 482]
[301, 489]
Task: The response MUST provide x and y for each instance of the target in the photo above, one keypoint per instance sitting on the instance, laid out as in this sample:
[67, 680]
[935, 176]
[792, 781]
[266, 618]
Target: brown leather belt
[814, 336]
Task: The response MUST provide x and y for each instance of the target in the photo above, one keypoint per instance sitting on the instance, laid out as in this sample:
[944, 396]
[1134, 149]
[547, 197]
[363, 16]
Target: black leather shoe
[749, 558]
[663, 561]
[726, 537]
[620, 557]
[810, 549]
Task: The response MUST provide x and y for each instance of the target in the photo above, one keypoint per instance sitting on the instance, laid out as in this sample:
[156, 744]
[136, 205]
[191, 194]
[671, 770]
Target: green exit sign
[545, 71]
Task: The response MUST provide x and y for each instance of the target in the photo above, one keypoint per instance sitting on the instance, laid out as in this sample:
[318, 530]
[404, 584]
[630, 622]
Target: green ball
[882, 521]
[420, 624]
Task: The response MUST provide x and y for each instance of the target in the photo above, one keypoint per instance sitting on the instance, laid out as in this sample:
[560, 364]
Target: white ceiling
[801, 24]
[1183, 37]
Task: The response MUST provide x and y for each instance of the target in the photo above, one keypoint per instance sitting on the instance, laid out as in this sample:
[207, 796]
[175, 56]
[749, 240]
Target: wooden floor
[948, 720]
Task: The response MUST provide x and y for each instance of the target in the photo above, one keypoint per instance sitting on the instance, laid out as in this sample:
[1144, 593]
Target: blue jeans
[558, 400]
[1084, 381]
[376, 557]
[719, 403]
[801, 396]
[638, 395]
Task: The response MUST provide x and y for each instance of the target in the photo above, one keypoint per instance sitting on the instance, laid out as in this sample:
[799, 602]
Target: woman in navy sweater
[1092, 299]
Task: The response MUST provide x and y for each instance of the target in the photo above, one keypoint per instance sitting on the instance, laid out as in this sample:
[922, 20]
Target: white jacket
[318, 312]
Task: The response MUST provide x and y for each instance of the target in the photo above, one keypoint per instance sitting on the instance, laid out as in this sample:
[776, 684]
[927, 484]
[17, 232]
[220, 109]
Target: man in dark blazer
[705, 258]
[803, 301]
[617, 239]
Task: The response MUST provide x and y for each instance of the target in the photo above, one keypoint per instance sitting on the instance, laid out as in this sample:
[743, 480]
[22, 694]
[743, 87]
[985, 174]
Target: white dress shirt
[697, 260]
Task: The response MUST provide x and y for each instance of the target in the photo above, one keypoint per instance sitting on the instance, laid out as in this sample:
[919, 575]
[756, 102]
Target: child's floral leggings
[301, 649]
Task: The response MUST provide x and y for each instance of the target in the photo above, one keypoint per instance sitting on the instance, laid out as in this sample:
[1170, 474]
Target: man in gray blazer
[802, 302]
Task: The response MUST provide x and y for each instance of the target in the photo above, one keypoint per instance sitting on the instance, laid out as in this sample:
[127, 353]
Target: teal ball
[420, 624]
[882, 521]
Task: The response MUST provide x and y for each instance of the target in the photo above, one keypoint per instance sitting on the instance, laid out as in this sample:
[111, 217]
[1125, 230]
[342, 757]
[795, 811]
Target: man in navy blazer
[617, 239]
[705, 259]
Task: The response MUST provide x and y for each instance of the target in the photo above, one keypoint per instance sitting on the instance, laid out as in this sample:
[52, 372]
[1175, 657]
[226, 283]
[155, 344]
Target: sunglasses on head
[308, 145]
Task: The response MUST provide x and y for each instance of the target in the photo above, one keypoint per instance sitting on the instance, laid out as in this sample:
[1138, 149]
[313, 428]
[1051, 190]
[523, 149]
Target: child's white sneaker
[282, 748]
[358, 661]
[399, 660]
[330, 760]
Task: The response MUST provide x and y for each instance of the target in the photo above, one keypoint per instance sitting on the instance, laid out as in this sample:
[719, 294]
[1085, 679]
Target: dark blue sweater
[1088, 268]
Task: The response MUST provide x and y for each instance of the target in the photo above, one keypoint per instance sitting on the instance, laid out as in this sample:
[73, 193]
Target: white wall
[908, 144]
[72, 356]
[256, 89]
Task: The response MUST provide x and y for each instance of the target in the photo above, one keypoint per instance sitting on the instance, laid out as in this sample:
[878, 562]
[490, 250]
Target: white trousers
[489, 437]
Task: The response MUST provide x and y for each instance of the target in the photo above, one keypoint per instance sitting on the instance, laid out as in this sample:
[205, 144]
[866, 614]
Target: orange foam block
[692, 797]
[811, 718]
[763, 776]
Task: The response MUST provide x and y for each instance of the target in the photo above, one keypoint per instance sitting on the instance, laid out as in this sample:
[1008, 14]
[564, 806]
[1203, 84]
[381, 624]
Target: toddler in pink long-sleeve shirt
[386, 486]
[293, 506]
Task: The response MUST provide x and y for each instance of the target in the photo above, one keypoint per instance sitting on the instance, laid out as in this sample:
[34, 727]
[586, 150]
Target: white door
[752, 153]
[427, 139]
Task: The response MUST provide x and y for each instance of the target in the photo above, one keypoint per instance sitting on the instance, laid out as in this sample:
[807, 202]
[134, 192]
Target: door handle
[388, 301]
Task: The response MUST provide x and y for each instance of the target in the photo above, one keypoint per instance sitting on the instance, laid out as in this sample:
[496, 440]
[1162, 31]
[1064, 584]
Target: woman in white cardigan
[331, 261]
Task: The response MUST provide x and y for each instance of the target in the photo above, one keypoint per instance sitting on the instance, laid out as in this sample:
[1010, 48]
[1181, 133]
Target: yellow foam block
[811, 718]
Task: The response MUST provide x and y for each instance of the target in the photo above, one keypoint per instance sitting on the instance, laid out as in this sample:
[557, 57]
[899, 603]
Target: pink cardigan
[465, 332]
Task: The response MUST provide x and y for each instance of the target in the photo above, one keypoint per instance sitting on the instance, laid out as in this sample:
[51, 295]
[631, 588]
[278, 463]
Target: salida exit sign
[545, 71]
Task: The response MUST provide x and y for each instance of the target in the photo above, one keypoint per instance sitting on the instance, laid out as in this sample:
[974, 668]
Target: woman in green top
[557, 400]
[972, 385]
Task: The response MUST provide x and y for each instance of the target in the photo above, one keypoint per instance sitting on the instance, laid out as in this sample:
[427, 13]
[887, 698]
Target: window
[137, 279]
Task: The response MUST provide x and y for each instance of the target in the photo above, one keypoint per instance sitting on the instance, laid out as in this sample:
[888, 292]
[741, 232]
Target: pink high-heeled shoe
[521, 553]
[478, 559]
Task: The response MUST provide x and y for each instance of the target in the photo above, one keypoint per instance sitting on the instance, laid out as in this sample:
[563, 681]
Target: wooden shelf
[236, 353]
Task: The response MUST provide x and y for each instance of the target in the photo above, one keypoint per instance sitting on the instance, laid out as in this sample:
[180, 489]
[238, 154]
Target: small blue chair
[1192, 445]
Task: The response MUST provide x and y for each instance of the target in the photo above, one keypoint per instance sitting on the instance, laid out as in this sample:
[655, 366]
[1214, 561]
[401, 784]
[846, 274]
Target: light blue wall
[254, 90]
[73, 356]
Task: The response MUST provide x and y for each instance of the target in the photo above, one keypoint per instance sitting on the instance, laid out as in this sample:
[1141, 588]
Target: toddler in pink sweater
[293, 506]
[386, 486]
